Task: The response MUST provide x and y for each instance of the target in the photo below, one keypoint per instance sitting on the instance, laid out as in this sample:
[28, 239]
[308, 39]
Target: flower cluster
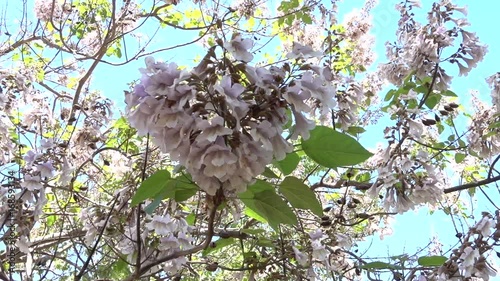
[419, 46]
[224, 121]
[51, 10]
[494, 82]
[174, 237]
[470, 260]
[483, 138]
[408, 180]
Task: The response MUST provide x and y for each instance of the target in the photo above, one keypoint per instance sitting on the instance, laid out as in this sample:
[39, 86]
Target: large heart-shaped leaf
[180, 189]
[333, 149]
[150, 187]
[432, 260]
[288, 165]
[262, 199]
[300, 195]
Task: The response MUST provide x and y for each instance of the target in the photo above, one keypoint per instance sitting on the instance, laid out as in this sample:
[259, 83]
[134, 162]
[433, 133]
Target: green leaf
[390, 94]
[268, 173]
[258, 186]
[300, 195]
[191, 218]
[249, 212]
[180, 189]
[332, 149]
[380, 265]
[119, 270]
[432, 260]
[421, 89]
[432, 101]
[449, 93]
[51, 220]
[288, 165]
[264, 242]
[306, 18]
[355, 130]
[459, 157]
[118, 52]
[219, 244]
[263, 200]
[252, 231]
[150, 187]
[183, 188]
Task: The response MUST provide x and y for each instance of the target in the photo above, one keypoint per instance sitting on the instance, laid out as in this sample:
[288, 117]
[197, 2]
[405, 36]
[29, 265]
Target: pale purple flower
[46, 169]
[296, 97]
[416, 129]
[238, 48]
[162, 225]
[169, 117]
[23, 244]
[301, 51]
[32, 183]
[343, 240]
[30, 157]
[321, 90]
[319, 251]
[281, 147]
[316, 234]
[411, 95]
[208, 184]
[485, 225]
[184, 240]
[169, 244]
[47, 143]
[66, 172]
[469, 258]
[259, 76]
[263, 132]
[227, 87]
[212, 129]
[421, 277]
[302, 126]
[173, 266]
[300, 257]
[219, 161]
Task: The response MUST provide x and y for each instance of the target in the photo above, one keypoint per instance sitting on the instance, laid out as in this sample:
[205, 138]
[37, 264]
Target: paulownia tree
[245, 163]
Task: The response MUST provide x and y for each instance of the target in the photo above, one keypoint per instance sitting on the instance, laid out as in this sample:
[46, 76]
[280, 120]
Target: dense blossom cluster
[471, 260]
[51, 10]
[409, 177]
[419, 47]
[494, 82]
[483, 136]
[226, 125]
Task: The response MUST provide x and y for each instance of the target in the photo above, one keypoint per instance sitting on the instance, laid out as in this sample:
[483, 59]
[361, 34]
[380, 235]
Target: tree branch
[471, 185]
[210, 233]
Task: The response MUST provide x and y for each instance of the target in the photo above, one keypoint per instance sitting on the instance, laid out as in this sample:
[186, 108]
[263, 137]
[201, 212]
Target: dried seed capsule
[326, 223]
[436, 117]
[448, 108]
[212, 266]
[453, 105]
